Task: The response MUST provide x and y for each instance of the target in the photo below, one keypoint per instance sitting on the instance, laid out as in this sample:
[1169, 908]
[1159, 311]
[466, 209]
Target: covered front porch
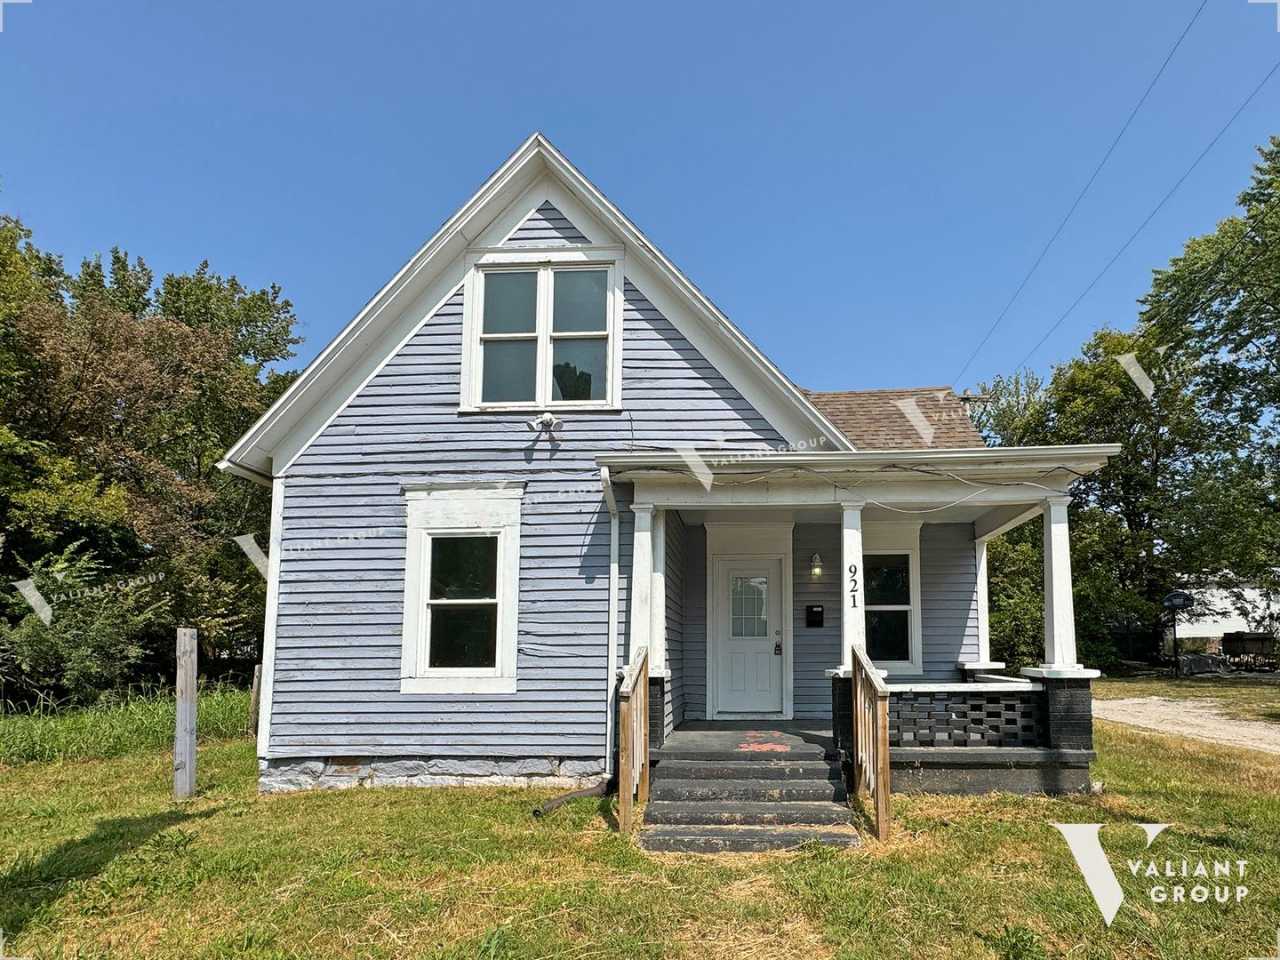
[755, 578]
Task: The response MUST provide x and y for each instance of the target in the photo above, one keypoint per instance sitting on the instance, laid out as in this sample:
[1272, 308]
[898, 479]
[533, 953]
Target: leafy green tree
[121, 396]
[1191, 395]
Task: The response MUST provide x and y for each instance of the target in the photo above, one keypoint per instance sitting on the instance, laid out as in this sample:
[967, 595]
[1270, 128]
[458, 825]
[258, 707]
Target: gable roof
[912, 418]
[434, 273]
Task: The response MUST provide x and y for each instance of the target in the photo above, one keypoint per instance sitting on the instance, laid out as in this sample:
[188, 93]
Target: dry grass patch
[96, 861]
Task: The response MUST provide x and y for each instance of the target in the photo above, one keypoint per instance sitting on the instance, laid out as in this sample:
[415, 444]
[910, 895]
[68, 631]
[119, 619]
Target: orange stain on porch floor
[755, 742]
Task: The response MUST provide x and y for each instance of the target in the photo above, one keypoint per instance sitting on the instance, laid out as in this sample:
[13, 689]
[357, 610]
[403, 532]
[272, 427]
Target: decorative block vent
[1013, 719]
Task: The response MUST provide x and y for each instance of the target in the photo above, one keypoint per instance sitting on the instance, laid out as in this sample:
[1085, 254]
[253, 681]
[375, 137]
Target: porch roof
[993, 487]
[1076, 460]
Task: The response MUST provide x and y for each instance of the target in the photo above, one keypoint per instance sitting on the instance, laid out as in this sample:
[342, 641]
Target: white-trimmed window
[462, 574]
[891, 584]
[542, 329]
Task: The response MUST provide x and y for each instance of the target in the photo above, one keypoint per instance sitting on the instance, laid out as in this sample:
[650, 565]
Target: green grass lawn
[129, 724]
[1256, 698]
[96, 861]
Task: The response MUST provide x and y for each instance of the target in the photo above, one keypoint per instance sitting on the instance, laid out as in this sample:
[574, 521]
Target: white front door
[749, 638]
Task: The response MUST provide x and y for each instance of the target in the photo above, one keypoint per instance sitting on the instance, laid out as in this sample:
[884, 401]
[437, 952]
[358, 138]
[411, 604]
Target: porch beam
[997, 521]
[1060, 661]
[783, 493]
[641, 585]
[853, 624]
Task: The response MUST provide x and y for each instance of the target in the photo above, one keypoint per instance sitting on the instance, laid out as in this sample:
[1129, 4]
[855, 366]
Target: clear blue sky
[859, 186]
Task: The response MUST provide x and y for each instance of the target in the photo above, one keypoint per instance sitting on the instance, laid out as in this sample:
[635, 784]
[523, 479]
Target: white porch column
[1060, 659]
[641, 585]
[984, 625]
[658, 596]
[853, 623]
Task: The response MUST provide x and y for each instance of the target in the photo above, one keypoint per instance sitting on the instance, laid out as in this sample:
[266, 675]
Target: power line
[1150, 216]
[1080, 196]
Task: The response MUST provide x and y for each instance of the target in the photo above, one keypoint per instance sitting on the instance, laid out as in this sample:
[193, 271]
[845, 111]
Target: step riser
[749, 842]
[748, 770]
[722, 756]
[758, 790]
[708, 813]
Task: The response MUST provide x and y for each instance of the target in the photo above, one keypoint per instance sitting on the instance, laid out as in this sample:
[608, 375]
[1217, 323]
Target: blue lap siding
[337, 668]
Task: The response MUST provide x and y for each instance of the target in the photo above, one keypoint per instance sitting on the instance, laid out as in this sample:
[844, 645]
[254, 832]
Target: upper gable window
[543, 333]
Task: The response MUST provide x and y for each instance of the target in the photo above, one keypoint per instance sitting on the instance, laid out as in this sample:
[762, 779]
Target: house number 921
[853, 584]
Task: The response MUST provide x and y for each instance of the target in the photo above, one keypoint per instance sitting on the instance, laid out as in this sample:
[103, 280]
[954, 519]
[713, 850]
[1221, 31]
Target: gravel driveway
[1200, 719]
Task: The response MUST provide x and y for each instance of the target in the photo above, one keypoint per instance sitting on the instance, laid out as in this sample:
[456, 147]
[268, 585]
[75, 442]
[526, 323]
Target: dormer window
[542, 330]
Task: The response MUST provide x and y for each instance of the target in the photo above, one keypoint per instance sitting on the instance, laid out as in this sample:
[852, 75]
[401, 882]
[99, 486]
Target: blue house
[540, 451]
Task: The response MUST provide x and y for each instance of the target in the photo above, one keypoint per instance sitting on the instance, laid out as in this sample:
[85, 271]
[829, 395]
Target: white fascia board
[643, 254]
[256, 450]
[1082, 458]
[355, 355]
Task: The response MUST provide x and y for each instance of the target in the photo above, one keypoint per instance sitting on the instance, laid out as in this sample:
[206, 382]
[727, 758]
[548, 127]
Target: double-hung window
[542, 335]
[892, 597]
[461, 587]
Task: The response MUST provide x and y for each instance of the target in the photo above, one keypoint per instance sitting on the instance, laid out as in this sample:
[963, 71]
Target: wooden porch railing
[633, 739]
[870, 742]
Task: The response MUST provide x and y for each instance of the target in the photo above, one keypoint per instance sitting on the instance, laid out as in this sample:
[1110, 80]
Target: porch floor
[750, 740]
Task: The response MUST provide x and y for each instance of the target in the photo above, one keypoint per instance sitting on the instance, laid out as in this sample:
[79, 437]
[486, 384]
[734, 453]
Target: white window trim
[544, 259]
[455, 510]
[899, 538]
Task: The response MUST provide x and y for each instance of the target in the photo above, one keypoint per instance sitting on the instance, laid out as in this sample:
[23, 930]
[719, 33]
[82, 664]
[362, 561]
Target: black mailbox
[813, 615]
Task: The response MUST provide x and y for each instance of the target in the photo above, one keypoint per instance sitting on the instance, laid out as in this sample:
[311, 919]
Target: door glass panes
[749, 606]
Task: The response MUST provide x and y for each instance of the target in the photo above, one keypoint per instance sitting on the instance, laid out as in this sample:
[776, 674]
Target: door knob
[777, 648]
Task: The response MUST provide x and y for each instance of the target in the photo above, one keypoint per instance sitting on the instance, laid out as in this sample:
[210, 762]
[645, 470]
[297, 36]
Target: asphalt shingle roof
[912, 418]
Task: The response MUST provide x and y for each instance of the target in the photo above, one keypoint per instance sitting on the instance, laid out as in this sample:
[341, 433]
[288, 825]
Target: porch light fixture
[815, 565]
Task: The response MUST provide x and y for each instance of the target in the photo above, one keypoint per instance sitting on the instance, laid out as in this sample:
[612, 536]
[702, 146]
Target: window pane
[464, 636]
[464, 567]
[888, 635]
[577, 369]
[510, 302]
[748, 602]
[888, 579]
[579, 300]
[510, 371]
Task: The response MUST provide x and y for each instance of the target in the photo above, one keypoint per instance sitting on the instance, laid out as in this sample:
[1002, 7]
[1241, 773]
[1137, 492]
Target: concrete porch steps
[746, 786]
[726, 788]
[732, 839]
[746, 813]
[749, 770]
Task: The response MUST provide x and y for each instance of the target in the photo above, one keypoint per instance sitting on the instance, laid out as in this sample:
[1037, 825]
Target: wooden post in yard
[255, 695]
[184, 740]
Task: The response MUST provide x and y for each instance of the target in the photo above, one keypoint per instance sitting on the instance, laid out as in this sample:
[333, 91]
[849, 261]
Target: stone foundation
[282, 775]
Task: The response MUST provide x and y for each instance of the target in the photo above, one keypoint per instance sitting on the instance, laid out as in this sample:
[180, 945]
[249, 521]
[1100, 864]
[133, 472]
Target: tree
[1191, 395]
[121, 396]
